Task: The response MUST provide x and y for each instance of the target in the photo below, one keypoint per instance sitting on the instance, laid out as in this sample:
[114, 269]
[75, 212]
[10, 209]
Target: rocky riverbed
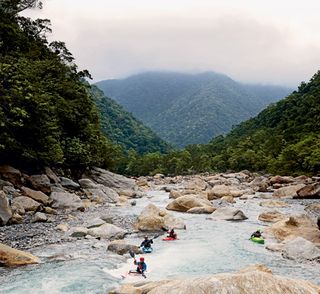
[80, 218]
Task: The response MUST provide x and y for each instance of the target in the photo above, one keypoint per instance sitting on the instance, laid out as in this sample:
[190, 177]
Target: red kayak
[169, 239]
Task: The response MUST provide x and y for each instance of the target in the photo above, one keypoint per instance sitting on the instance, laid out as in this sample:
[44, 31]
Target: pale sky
[271, 41]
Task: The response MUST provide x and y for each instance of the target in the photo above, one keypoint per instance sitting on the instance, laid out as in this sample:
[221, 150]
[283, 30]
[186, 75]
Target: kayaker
[172, 234]
[141, 265]
[146, 243]
[256, 234]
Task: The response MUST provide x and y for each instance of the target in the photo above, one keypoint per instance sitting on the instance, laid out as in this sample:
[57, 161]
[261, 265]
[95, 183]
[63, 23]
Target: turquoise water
[206, 247]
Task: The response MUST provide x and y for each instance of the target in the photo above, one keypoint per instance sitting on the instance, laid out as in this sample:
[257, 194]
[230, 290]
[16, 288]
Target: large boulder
[229, 214]
[154, 219]
[273, 203]
[260, 184]
[107, 231]
[69, 184]
[35, 195]
[219, 191]
[26, 203]
[5, 210]
[295, 226]
[309, 191]
[14, 257]
[301, 249]
[102, 194]
[288, 191]
[120, 247]
[65, 200]
[11, 174]
[110, 179]
[187, 202]
[252, 280]
[271, 216]
[40, 183]
[281, 180]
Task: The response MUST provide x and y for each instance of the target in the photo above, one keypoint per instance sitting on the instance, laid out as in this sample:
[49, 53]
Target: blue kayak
[146, 250]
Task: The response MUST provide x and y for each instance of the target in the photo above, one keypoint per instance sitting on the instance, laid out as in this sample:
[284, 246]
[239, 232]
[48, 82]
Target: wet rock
[65, 200]
[295, 226]
[309, 191]
[273, 203]
[254, 279]
[11, 174]
[40, 183]
[288, 191]
[5, 210]
[39, 217]
[120, 247]
[271, 216]
[69, 184]
[14, 257]
[301, 249]
[154, 219]
[229, 214]
[35, 195]
[187, 202]
[26, 203]
[107, 231]
[110, 179]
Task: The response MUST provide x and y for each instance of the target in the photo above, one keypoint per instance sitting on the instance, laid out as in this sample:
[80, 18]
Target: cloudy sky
[274, 41]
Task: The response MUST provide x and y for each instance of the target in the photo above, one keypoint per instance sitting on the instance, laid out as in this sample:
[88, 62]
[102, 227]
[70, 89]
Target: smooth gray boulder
[5, 210]
[229, 214]
[39, 217]
[107, 231]
[301, 249]
[65, 200]
[110, 179]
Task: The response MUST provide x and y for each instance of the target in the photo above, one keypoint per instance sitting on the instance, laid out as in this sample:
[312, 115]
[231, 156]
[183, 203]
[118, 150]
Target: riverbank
[208, 245]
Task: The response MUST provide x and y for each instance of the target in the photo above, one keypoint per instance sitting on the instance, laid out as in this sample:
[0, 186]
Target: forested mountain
[47, 114]
[187, 109]
[282, 139]
[123, 129]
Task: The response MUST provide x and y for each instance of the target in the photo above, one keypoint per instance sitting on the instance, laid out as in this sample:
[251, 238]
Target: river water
[206, 247]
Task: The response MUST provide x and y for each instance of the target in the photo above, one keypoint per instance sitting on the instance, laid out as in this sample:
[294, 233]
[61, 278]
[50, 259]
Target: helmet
[146, 237]
[141, 258]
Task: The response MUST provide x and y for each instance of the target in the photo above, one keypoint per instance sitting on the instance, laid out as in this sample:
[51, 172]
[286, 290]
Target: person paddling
[172, 234]
[256, 234]
[141, 266]
[146, 243]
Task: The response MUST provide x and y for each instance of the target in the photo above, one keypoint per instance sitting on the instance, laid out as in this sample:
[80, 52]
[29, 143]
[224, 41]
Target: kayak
[147, 250]
[133, 273]
[169, 239]
[257, 240]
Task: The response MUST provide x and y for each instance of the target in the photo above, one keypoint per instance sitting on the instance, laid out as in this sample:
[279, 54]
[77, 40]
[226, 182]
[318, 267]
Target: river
[206, 247]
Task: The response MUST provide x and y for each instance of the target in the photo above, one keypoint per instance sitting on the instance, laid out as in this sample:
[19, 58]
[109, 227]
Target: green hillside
[123, 129]
[188, 109]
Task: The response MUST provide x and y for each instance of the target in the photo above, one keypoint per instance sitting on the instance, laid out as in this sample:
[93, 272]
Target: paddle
[133, 256]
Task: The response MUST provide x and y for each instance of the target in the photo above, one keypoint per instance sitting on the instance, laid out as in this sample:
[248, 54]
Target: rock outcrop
[295, 226]
[229, 214]
[13, 257]
[154, 219]
[252, 280]
[184, 203]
